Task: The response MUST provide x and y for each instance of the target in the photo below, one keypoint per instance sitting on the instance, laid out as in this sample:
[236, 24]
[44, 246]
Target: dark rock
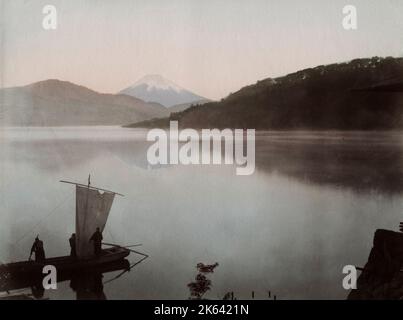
[381, 278]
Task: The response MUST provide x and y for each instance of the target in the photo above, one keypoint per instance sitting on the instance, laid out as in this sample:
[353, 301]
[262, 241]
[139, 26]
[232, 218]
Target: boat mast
[88, 185]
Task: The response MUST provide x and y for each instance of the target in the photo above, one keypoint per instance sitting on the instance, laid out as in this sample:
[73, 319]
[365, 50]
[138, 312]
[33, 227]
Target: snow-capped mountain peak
[156, 88]
[156, 81]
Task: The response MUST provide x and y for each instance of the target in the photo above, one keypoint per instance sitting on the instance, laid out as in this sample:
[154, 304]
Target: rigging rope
[44, 218]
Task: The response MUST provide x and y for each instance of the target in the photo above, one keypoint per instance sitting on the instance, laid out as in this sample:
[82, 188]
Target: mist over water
[311, 207]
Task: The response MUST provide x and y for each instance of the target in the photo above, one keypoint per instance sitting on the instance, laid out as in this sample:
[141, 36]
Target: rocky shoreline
[381, 278]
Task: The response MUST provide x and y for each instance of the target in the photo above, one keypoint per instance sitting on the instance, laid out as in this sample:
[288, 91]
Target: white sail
[92, 210]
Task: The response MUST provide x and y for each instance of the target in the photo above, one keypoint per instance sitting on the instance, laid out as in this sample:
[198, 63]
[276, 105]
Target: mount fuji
[155, 88]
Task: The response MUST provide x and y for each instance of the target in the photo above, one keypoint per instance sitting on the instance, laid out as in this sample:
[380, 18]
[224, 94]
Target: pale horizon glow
[211, 47]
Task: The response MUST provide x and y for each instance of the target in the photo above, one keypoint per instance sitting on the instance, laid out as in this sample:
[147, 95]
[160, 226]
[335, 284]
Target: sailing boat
[92, 210]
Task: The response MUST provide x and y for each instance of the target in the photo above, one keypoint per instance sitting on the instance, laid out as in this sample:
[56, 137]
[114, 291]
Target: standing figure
[72, 240]
[97, 239]
[37, 247]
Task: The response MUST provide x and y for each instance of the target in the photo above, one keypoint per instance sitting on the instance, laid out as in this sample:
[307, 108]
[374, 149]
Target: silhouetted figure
[37, 247]
[72, 240]
[97, 239]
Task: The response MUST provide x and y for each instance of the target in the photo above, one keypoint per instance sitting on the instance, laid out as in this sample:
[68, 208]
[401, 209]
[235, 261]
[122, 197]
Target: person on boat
[97, 240]
[37, 247]
[72, 240]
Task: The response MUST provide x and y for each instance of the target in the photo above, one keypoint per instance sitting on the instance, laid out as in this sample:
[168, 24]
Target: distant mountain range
[155, 88]
[363, 94]
[61, 103]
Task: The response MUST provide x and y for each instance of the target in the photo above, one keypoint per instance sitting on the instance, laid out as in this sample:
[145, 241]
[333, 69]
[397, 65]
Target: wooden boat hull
[18, 274]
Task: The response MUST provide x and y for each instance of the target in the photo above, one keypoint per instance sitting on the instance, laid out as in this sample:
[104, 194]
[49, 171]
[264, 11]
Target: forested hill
[363, 94]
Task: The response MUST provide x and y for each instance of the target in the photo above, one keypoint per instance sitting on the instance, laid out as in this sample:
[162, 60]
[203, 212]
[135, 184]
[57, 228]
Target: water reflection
[88, 286]
[361, 161]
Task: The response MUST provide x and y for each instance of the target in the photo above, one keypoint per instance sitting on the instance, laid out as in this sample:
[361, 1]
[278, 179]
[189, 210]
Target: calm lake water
[311, 207]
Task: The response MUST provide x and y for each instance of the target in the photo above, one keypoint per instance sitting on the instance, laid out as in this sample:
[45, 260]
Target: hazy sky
[212, 47]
